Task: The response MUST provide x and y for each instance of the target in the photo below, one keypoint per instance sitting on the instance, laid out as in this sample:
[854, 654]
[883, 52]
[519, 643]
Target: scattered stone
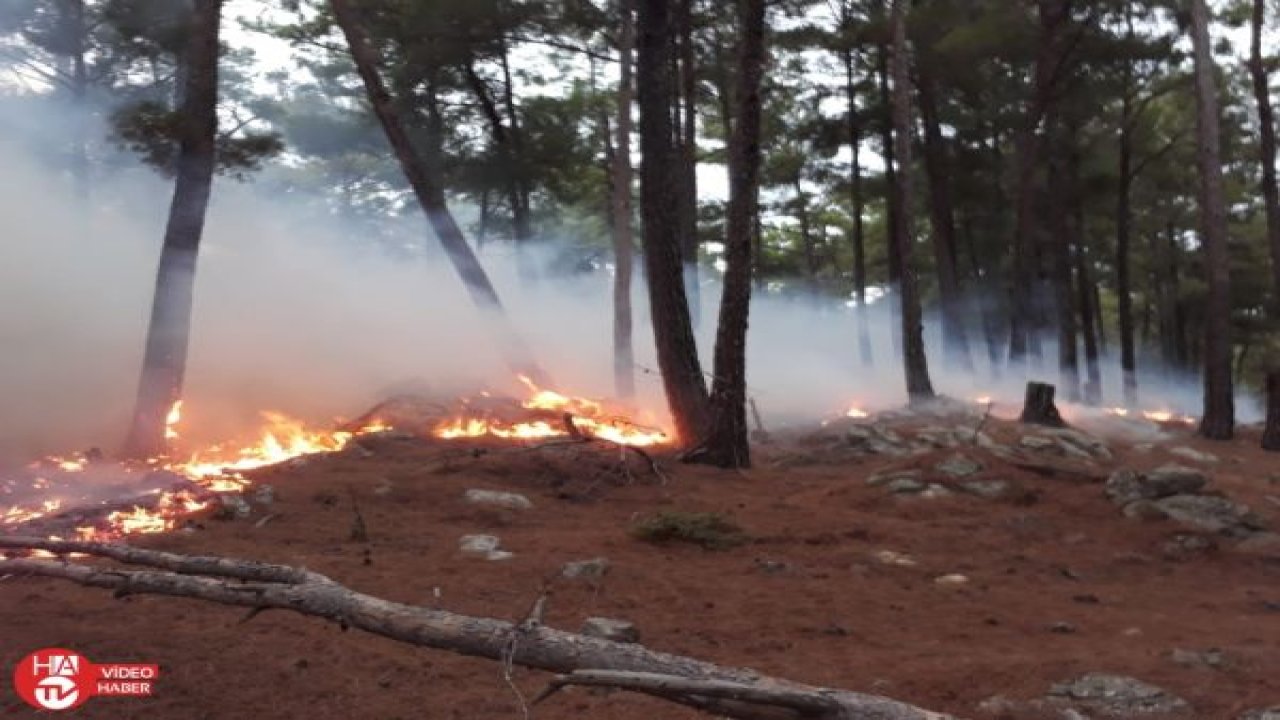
[1261, 544]
[1207, 512]
[1126, 486]
[891, 557]
[1037, 443]
[1118, 695]
[886, 477]
[1183, 546]
[485, 546]
[594, 569]
[771, 567]
[611, 629]
[936, 492]
[1074, 442]
[987, 489]
[875, 439]
[1194, 455]
[1212, 658]
[958, 466]
[1271, 713]
[513, 501]
[1143, 510]
[905, 486]
[938, 437]
[1063, 628]
[952, 580]
[232, 507]
[384, 487]
[264, 494]
[298, 463]
[1144, 447]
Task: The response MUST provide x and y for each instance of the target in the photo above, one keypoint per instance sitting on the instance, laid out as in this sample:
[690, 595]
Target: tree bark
[857, 202]
[659, 202]
[1218, 422]
[1267, 142]
[717, 689]
[955, 341]
[1038, 407]
[727, 443]
[1061, 189]
[1124, 297]
[623, 241]
[1088, 319]
[687, 120]
[430, 195]
[168, 334]
[1271, 434]
[915, 363]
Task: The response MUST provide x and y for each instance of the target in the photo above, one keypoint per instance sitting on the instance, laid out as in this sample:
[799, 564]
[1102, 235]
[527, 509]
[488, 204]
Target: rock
[988, 489]
[886, 477]
[485, 546]
[384, 487]
[1063, 628]
[1183, 546]
[1126, 486]
[1261, 544]
[233, 507]
[1212, 658]
[891, 557]
[1143, 510]
[936, 492]
[1193, 455]
[264, 494]
[958, 466]
[1207, 512]
[594, 568]
[1144, 447]
[611, 629]
[1271, 713]
[905, 486]
[1037, 443]
[938, 437]
[1074, 442]
[875, 439]
[1118, 695]
[513, 501]
[952, 580]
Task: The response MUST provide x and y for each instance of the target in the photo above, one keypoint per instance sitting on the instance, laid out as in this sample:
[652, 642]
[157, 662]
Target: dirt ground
[806, 598]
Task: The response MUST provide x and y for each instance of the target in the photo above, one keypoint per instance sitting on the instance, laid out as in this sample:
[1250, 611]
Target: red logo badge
[60, 679]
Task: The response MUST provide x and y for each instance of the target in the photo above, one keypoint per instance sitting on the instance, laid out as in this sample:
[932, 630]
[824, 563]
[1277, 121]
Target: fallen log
[1038, 407]
[579, 659]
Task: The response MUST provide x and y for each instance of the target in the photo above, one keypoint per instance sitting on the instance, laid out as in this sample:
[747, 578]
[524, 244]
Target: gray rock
[1271, 713]
[938, 437]
[1207, 512]
[936, 492]
[958, 466]
[1037, 443]
[875, 439]
[988, 489]
[1126, 486]
[1261, 544]
[1143, 510]
[513, 501]
[233, 507]
[1118, 695]
[485, 546]
[886, 477]
[1212, 658]
[905, 486]
[611, 629]
[1194, 455]
[1183, 546]
[1074, 442]
[594, 568]
[264, 494]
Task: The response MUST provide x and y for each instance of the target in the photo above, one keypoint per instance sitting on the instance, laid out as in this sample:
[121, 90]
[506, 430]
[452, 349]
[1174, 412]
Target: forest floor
[1057, 581]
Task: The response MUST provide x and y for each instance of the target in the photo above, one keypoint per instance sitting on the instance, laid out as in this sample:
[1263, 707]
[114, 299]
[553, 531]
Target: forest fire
[1161, 417]
[856, 413]
[565, 417]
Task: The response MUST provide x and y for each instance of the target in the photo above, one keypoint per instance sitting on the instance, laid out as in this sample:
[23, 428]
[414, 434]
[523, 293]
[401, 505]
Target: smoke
[302, 312]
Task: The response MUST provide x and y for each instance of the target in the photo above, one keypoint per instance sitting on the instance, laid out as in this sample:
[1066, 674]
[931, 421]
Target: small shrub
[712, 531]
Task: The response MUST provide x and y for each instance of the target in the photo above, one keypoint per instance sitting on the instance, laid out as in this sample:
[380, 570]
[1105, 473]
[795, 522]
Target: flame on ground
[588, 417]
[856, 412]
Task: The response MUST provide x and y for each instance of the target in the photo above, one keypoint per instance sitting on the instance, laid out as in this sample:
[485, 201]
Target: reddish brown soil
[832, 615]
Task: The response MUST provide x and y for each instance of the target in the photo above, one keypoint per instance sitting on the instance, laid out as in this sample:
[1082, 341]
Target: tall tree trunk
[857, 203]
[1060, 189]
[76, 31]
[727, 442]
[687, 120]
[1267, 142]
[955, 342]
[914, 361]
[1218, 422]
[623, 242]
[892, 202]
[430, 195]
[1088, 323]
[521, 212]
[168, 335]
[659, 206]
[807, 243]
[1124, 297]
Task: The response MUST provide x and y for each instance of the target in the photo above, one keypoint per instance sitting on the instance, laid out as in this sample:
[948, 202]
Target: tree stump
[1038, 407]
[1271, 435]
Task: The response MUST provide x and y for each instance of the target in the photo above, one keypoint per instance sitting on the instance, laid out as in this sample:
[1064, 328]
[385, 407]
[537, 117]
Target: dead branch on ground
[578, 659]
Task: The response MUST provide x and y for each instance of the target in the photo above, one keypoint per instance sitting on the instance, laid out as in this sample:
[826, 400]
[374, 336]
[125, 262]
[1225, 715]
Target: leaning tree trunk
[1218, 422]
[727, 444]
[168, 335]
[659, 205]
[1267, 142]
[430, 195]
[915, 363]
[583, 660]
[623, 242]
[1271, 435]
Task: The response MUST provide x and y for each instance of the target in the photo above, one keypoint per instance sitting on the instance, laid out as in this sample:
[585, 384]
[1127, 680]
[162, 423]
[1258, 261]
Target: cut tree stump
[1038, 408]
[1271, 435]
